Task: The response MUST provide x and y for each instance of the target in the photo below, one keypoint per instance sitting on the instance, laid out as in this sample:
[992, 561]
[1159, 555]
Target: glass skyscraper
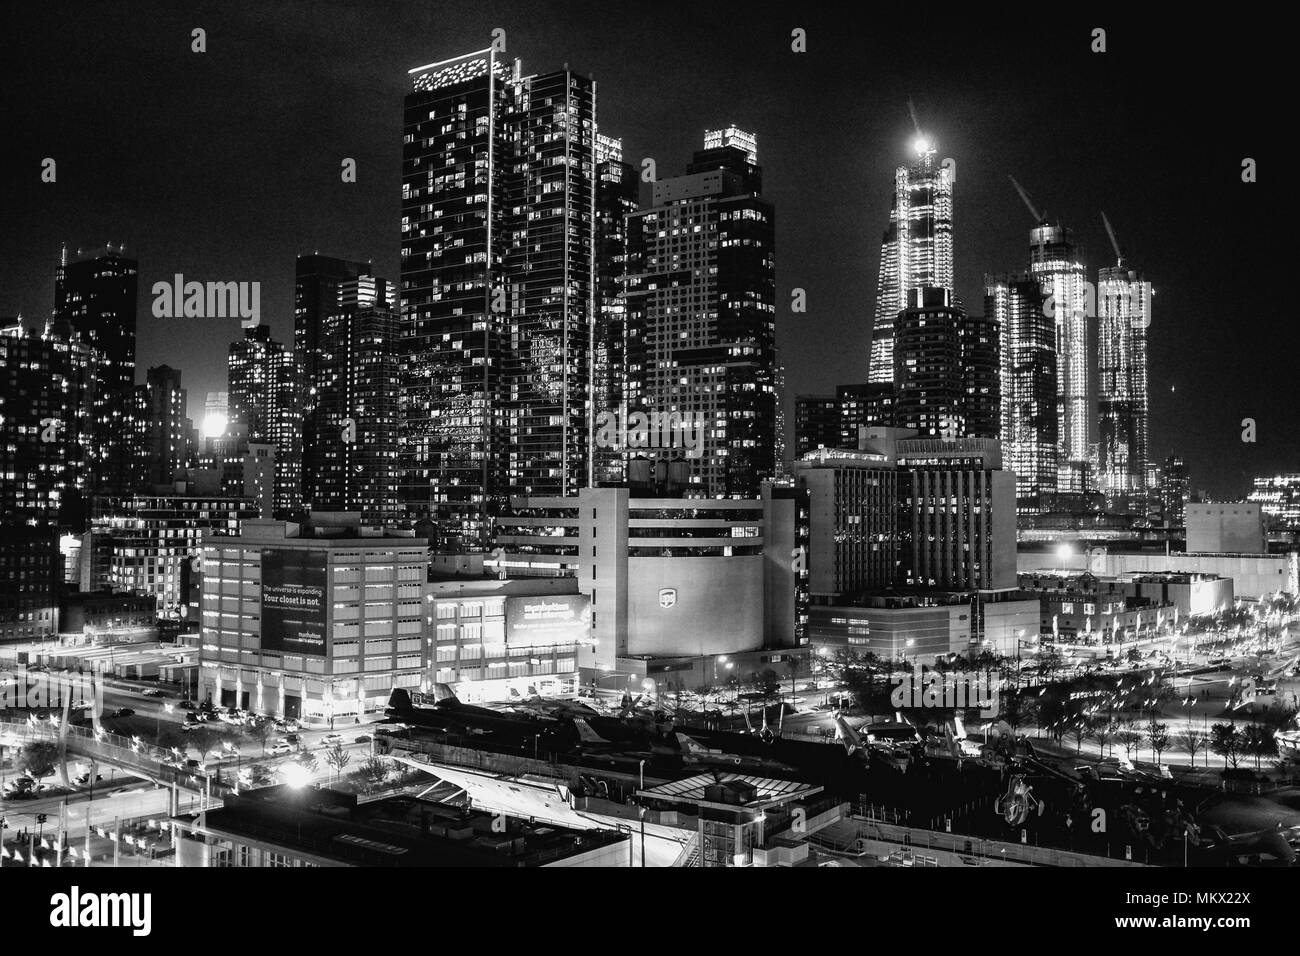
[1028, 374]
[916, 250]
[1055, 263]
[498, 275]
[1124, 313]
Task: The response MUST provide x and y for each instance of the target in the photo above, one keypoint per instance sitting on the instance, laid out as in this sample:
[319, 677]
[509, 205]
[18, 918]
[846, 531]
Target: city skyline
[505, 436]
[823, 182]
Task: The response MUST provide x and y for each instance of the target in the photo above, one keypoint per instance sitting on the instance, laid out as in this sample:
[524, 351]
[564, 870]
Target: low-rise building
[654, 569]
[286, 827]
[1225, 527]
[493, 639]
[319, 620]
[922, 626]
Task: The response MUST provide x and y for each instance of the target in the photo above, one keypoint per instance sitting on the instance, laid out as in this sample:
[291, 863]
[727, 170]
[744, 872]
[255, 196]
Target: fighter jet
[1276, 843]
[445, 711]
[696, 753]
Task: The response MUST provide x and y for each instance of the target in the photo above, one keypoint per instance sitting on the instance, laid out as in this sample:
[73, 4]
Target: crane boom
[1038, 217]
[1119, 256]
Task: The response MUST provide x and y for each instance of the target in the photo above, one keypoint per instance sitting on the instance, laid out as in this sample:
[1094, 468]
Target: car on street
[123, 712]
[155, 692]
[332, 739]
[281, 748]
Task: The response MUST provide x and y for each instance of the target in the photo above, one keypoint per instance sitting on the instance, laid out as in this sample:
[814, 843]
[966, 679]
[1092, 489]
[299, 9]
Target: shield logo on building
[667, 597]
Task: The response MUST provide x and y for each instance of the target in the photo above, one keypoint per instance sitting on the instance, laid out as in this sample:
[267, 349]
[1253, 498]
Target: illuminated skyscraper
[701, 305]
[47, 406]
[916, 250]
[498, 194]
[1028, 400]
[1124, 313]
[96, 296]
[1055, 263]
[263, 398]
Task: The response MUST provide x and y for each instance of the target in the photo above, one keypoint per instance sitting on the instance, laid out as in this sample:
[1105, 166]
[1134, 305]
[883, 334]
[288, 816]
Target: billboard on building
[547, 619]
[293, 601]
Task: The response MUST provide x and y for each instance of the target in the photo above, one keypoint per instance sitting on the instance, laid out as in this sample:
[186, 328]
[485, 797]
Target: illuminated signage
[293, 601]
[548, 619]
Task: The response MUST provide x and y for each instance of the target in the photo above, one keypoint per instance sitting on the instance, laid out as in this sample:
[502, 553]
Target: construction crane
[1039, 217]
[1119, 256]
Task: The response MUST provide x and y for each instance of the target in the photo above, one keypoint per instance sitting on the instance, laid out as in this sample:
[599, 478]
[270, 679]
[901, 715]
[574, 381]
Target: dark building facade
[1175, 491]
[616, 199]
[96, 296]
[816, 424]
[864, 405]
[264, 401]
[162, 425]
[701, 338]
[345, 346]
[946, 369]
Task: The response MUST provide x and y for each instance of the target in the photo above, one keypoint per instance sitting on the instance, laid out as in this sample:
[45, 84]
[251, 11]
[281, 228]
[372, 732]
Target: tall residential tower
[498, 195]
[701, 311]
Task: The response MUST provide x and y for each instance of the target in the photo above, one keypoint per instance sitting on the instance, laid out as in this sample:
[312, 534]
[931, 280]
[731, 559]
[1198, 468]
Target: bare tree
[1102, 730]
[337, 758]
[1129, 737]
[1192, 741]
[1158, 735]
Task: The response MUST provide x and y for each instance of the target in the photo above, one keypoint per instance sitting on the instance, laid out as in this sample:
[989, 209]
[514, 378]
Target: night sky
[225, 165]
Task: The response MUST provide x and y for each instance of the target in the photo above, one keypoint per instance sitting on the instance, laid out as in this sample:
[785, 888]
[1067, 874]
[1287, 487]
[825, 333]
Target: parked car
[155, 692]
[332, 739]
[281, 748]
